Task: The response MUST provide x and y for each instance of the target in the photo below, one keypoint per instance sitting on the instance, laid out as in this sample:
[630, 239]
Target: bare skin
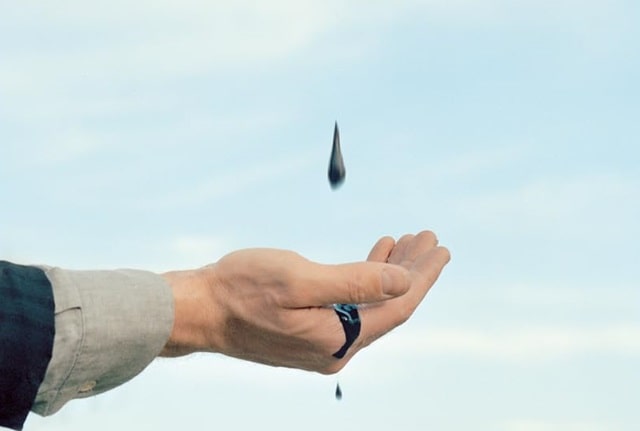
[274, 306]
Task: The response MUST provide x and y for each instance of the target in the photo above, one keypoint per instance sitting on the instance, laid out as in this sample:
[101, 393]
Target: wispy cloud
[156, 40]
[233, 182]
[542, 425]
[613, 297]
[169, 38]
[195, 250]
[523, 345]
[476, 162]
[568, 11]
[577, 204]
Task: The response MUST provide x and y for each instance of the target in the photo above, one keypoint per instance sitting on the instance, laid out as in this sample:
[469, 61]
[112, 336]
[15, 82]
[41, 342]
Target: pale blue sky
[162, 135]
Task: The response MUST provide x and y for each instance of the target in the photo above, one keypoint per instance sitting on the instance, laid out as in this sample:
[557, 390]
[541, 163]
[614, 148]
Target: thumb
[352, 283]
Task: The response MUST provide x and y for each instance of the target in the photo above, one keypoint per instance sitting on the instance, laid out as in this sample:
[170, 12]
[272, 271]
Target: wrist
[194, 314]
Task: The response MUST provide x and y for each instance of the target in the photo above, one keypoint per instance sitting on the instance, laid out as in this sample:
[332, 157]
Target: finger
[378, 319]
[353, 283]
[381, 250]
[397, 255]
[422, 242]
[428, 266]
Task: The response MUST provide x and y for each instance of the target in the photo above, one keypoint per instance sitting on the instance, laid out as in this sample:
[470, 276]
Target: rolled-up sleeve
[109, 326]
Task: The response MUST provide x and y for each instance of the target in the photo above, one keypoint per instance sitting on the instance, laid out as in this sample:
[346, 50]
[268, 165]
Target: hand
[274, 306]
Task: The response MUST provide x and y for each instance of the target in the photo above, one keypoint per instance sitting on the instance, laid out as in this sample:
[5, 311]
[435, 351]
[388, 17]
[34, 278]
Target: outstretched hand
[274, 306]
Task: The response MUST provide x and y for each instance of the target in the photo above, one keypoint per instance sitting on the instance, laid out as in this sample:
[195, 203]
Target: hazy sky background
[162, 135]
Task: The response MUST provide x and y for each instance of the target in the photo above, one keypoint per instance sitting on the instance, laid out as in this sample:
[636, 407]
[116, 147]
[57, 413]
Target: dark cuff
[27, 330]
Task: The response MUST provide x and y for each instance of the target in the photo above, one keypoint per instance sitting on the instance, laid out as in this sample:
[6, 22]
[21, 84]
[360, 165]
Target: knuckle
[428, 236]
[406, 238]
[387, 239]
[446, 254]
[356, 289]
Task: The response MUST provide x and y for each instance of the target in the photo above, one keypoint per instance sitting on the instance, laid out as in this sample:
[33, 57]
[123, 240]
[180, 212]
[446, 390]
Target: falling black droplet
[338, 392]
[337, 171]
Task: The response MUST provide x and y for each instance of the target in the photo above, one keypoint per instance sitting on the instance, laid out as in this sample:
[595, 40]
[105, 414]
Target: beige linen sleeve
[109, 326]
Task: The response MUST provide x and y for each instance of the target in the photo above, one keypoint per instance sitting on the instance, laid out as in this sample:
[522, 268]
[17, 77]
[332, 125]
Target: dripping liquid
[336, 174]
[337, 170]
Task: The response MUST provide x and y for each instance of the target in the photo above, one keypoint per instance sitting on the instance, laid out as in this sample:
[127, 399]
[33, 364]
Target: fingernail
[395, 281]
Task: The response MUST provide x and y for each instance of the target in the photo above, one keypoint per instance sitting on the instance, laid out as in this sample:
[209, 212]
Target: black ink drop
[337, 171]
[338, 392]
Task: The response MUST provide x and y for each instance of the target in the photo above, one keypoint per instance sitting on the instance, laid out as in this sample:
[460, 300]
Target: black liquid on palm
[338, 392]
[337, 171]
